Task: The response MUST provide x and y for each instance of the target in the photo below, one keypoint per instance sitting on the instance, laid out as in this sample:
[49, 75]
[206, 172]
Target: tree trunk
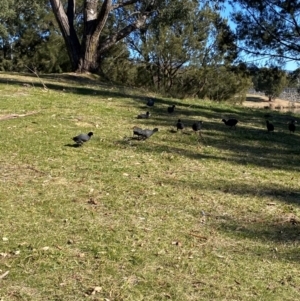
[65, 22]
[85, 56]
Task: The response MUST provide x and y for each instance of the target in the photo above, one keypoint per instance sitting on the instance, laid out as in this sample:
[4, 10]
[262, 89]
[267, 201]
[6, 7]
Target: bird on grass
[196, 126]
[143, 116]
[80, 139]
[143, 134]
[292, 126]
[179, 125]
[231, 122]
[150, 102]
[270, 126]
[171, 109]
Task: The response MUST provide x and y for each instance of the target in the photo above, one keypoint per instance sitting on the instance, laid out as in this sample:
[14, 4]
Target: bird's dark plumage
[179, 125]
[197, 126]
[150, 102]
[143, 116]
[143, 134]
[80, 139]
[292, 126]
[137, 131]
[171, 109]
[230, 122]
[270, 126]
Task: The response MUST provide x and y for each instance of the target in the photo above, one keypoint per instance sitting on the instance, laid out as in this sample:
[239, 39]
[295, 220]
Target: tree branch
[122, 33]
[125, 3]
[103, 15]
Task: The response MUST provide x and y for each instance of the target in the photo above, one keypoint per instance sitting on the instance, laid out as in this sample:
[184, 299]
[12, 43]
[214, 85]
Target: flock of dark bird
[143, 134]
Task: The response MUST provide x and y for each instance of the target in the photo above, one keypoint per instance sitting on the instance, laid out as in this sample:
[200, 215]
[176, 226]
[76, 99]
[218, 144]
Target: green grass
[164, 219]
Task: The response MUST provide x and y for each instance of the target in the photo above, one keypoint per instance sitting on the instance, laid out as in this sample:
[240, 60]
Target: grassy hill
[169, 218]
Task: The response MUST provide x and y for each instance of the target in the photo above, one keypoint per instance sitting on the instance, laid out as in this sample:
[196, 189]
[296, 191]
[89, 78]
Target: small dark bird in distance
[171, 109]
[150, 102]
[292, 126]
[82, 138]
[270, 126]
[179, 125]
[197, 126]
[143, 116]
[230, 122]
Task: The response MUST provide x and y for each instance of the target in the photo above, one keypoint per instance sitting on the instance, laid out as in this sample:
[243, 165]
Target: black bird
[231, 122]
[292, 126]
[80, 139]
[197, 126]
[143, 116]
[150, 102]
[137, 131]
[143, 134]
[171, 109]
[179, 125]
[270, 126]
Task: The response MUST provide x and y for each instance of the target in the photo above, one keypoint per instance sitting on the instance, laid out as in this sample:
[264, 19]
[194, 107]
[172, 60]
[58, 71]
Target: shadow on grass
[257, 99]
[259, 148]
[283, 231]
[280, 226]
[72, 145]
[66, 86]
[274, 192]
[245, 145]
[110, 91]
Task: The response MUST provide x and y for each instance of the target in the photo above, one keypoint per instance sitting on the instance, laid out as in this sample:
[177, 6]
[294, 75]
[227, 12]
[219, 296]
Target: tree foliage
[271, 81]
[30, 39]
[269, 28]
[184, 37]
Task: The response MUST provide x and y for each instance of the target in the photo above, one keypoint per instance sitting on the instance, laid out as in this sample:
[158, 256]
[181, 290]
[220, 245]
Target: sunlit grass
[121, 219]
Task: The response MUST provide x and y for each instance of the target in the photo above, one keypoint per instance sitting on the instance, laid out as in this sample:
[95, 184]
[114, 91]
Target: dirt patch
[260, 101]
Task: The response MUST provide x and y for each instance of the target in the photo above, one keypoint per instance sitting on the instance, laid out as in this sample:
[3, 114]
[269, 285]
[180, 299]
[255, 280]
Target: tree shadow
[277, 224]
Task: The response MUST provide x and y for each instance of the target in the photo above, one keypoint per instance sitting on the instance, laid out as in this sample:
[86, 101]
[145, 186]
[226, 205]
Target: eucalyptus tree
[86, 46]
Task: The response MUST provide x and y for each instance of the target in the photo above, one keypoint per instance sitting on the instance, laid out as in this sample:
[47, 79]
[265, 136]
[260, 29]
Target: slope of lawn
[169, 218]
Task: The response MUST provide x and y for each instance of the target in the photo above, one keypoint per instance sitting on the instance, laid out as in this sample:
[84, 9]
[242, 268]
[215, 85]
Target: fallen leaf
[4, 274]
[93, 291]
[92, 202]
[198, 236]
[177, 243]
